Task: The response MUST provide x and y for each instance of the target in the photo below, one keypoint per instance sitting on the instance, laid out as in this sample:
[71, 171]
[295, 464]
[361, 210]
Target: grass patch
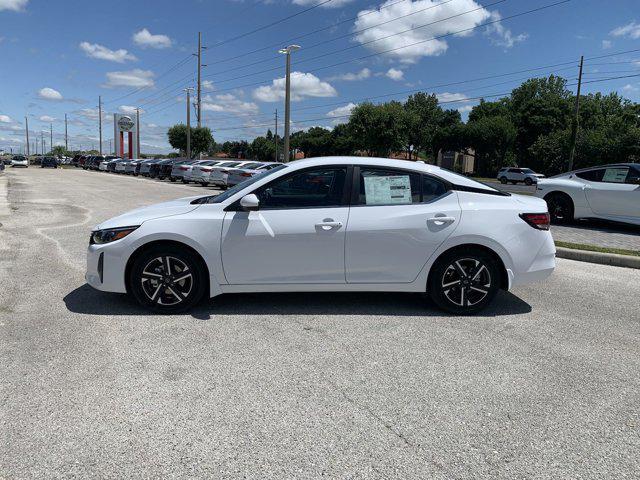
[593, 248]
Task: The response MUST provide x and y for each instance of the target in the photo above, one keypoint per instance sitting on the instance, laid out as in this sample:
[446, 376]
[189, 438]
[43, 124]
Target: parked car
[240, 174]
[199, 173]
[608, 192]
[179, 168]
[103, 167]
[49, 162]
[131, 167]
[187, 170]
[2, 167]
[329, 224]
[515, 175]
[145, 167]
[121, 165]
[19, 161]
[219, 174]
[6, 161]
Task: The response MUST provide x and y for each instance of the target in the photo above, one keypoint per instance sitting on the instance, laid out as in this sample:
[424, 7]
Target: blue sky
[59, 56]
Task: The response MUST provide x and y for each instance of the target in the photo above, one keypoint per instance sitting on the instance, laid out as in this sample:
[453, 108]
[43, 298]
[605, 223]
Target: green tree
[379, 130]
[201, 139]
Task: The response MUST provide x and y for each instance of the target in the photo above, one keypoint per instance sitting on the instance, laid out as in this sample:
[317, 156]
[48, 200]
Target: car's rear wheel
[503, 180]
[560, 208]
[167, 279]
[173, 179]
[464, 281]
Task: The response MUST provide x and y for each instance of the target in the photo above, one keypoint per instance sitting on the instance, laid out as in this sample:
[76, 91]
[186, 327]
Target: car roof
[393, 163]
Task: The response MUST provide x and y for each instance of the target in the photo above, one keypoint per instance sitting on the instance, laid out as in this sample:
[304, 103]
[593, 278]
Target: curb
[612, 259]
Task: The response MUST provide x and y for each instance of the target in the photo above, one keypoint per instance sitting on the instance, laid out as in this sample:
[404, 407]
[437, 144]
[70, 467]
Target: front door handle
[441, 220]
[329, 225]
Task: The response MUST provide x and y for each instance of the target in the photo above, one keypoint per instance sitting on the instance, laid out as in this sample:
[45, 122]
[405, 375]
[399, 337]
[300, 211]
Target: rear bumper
[537, 267]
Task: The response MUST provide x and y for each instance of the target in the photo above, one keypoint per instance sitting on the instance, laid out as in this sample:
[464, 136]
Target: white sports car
[609, 192]
[329, 224]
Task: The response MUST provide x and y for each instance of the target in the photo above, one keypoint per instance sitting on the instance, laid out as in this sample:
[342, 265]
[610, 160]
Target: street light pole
[51, 133]
[100, 121]
[287, 98]
[66, 134]
[26, 124]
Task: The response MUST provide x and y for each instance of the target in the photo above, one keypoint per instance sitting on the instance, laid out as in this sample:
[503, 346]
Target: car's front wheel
[503, 180]
[464, 281]
[167, 279]
[528, 182]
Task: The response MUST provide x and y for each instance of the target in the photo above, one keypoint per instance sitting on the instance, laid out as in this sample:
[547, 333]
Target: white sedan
[609, 192]
[329, 224]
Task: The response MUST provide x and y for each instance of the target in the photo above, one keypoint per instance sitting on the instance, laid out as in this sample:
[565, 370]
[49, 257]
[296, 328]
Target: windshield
[527, 170]
[241, 186]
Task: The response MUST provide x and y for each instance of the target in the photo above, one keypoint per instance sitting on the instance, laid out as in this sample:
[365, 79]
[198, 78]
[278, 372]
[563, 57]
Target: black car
[75, 161]
[49, 162]
[95, 162]
[162, 169]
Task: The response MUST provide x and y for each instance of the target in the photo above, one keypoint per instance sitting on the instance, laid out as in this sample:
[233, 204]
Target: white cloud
[465, 109]
[353, 77]
[370, 20]
[628, 88]
[342, 111]
[14, 5]
[46, 118]
[503, 36]
[208, 86]
[144, 38]
[631, 30]
[606, 44]
[228, 103]
[100, 52]
[128, 109]
[450, 97]
[302, 85]
[48, 93]
[132, 78]
[395, 74]
[5, 119]
[333, 4]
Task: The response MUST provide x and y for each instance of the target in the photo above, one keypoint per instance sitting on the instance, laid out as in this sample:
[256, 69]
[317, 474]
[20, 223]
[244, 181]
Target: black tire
[503, 180]
[173, 179]
[528, 182]
[148, 279]
[185, 181]
[204, 184]
[464, 281]
[560, 208]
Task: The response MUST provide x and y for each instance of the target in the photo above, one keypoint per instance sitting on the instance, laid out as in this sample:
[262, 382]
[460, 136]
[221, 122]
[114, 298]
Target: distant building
[460, 162]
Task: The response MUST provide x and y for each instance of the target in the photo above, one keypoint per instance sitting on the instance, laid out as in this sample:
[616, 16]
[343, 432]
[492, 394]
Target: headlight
[110, 235]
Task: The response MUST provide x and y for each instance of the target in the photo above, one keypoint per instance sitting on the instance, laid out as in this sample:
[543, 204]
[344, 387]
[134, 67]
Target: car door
[296, 236]
[616, 193]
[398, 218]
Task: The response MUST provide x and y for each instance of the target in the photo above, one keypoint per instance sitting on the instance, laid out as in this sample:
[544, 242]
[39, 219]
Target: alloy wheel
[166, 280]
[466, 282]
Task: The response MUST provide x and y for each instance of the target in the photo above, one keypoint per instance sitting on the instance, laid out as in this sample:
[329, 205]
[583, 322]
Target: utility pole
[100, 121]
[51, 133]
[276, 135]
[574, 124]
[26, 124]
[199, 79]
[66, 134]
[188, 90]
[137, 131]
[287, 98]
[42, 141]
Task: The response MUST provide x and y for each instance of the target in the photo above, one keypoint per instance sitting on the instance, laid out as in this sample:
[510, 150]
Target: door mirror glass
[250, 203]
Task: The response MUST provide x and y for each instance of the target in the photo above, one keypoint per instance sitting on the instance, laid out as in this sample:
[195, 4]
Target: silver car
[131, 168]
[200, 173]
[179, 168]
[121, 165]
[219, 174]
[516, 174]
[239, 175]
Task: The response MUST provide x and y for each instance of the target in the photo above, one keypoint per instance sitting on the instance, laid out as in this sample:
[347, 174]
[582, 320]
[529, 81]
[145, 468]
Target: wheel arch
[504, 275]
[156, 243]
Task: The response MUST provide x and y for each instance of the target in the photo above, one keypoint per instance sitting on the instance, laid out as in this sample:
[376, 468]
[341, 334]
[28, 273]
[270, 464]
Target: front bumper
[105, 269]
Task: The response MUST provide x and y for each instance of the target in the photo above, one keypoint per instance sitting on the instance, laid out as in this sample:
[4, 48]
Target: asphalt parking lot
[545, 384]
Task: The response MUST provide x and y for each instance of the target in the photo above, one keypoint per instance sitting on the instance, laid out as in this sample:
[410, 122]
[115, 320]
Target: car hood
[158, 210]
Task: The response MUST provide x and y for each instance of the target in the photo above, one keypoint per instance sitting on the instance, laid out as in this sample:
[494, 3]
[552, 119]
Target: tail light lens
[539, 221]
[183, 168]
[205, 169]
[245, 174]
[224, 171]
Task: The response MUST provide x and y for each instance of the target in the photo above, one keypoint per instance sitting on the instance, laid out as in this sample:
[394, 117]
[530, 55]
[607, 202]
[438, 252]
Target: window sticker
[615, 175]
[392, 190]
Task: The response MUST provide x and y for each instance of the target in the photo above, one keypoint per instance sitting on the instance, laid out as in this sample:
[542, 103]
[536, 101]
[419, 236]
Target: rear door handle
[441, 220]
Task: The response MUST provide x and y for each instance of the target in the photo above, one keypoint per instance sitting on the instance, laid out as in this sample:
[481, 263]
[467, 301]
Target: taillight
[224, 171]
[540, 221]
[184, 168]
[245, 174]
[206, 169]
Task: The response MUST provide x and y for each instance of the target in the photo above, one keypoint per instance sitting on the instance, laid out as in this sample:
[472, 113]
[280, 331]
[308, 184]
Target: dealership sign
[125, 124]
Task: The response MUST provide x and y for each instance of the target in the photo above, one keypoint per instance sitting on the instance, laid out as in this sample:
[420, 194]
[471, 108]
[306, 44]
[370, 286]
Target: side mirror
[250, 203]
